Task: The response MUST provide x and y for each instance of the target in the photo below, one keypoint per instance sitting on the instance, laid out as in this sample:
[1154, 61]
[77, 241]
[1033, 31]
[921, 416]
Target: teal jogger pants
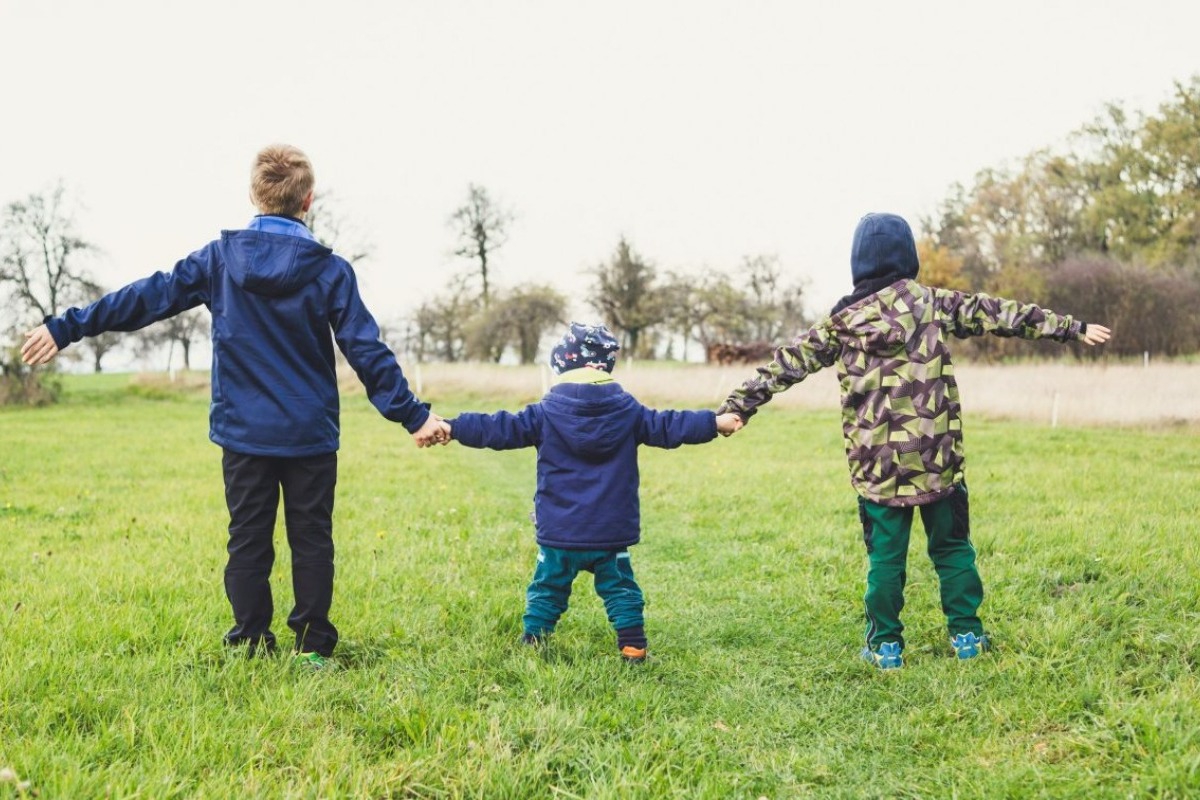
[886, 534]
[548, 593]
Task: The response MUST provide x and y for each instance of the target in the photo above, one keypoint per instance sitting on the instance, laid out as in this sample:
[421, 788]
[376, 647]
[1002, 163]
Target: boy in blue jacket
[587, 430]
[275, 294]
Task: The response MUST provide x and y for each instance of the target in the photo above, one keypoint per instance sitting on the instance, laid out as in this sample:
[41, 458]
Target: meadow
[114, 683]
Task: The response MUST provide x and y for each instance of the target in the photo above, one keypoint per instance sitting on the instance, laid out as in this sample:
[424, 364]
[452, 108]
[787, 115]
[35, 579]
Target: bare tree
[41, 255]
[334, 230]
[101, 345]
[440, 323]
[775, 309]
[534, 309]
[481, 226]
[184, 330]
[519, 318]
[12, 370]
[487, 332]
[104, 343]
[40, 274]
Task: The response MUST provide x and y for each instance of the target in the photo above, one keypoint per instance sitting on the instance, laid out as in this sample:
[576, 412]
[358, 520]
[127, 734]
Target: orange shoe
[633, 655]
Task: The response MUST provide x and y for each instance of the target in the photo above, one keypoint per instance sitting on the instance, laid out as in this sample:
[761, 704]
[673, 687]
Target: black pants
[252, 485]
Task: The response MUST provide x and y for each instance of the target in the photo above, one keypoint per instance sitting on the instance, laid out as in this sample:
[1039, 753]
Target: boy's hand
[730, 423]
[39, 347]
[1096, 334]
[434, 431]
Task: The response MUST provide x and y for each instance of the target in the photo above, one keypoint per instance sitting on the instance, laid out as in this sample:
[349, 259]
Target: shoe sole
[633, 655]
[882, 663]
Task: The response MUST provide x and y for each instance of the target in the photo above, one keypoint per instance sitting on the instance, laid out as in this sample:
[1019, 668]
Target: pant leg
[548, 593]
[252, 496]
[947, 524]
[308, 490]
[885, 533]
[618, 589]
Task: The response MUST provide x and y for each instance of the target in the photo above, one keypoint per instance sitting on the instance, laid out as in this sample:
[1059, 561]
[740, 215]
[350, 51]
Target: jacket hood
[883, 247]
[272, 264]
[592, 420]
[875, 326]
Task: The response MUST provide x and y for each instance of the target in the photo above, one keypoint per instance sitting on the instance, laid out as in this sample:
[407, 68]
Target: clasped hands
[435, 431]
[729, 423]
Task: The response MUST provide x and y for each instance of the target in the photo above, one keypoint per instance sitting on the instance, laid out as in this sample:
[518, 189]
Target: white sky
[704, 131]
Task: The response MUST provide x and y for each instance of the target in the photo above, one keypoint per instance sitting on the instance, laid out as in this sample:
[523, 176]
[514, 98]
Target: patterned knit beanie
[582, 345]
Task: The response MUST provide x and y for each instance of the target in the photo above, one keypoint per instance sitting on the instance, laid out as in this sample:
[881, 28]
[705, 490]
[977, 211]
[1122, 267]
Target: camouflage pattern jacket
[900, 409]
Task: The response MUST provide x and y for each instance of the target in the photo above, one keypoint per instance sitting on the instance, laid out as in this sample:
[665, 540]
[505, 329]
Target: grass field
[113, 682]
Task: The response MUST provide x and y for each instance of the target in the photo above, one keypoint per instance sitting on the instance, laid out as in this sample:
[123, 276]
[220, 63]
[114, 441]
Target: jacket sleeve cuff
[418, 419]
[58, 330]
[745, 414]
[464, 430]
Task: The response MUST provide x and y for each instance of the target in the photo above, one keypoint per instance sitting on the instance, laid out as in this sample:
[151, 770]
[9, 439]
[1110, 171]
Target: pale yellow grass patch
[1075, 394]
[1066, 393]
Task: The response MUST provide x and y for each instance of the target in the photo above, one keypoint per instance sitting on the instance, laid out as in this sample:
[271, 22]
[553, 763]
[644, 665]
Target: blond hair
[281, 178]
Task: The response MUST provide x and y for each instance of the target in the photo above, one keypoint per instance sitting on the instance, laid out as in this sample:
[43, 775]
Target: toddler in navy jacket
[587, 430]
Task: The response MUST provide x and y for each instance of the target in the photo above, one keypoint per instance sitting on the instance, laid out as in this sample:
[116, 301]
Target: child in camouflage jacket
[900, 419]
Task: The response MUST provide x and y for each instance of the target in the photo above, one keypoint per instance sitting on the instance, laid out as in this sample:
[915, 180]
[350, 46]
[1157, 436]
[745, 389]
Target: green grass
[113, 682]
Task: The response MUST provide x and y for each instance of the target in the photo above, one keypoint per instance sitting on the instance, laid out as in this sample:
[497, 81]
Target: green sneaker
[312, 661]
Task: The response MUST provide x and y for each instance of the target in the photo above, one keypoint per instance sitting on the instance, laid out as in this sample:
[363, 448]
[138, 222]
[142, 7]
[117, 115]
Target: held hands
[1096, 334]
[435, 431]
[39, 347]
[730, 423]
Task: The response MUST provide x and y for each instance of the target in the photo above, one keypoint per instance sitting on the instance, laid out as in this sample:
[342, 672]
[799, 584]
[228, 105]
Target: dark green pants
[547, 597]
[886, 533]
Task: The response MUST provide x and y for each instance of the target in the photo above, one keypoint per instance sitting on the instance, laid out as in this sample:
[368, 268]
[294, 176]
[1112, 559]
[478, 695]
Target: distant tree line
[660, 315]
[657, 315]
[473, 319]
[1108, 230]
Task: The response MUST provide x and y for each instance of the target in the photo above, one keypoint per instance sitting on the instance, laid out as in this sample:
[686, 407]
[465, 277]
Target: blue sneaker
[886, 657]
[968, 645]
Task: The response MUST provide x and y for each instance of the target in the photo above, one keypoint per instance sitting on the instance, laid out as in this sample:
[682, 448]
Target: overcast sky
[702, 131]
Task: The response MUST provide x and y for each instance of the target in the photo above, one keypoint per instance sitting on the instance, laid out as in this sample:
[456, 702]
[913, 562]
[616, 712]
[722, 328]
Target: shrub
[21, 386]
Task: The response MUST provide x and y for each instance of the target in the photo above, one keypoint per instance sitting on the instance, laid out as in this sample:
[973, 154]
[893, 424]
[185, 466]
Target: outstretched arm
[813, 350]
[162, 295]
[500, 431]
[977, 314]
[670, 429]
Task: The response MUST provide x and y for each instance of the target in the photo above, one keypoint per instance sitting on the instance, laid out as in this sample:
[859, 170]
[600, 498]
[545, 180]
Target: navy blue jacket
[586, 437]
[274, 299]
